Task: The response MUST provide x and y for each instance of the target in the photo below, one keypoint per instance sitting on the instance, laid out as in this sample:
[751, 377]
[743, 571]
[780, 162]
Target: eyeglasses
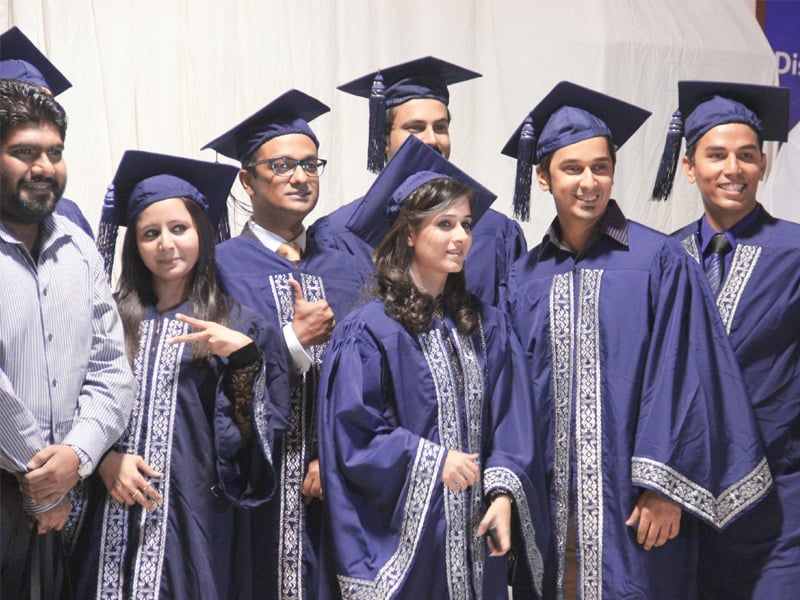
[284, 167]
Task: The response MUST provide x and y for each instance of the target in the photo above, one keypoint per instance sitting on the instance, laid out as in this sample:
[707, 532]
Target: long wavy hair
[135, 286]
[402, 299]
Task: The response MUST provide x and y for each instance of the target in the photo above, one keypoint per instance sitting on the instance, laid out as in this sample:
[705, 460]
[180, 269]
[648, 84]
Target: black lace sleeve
[243, 368]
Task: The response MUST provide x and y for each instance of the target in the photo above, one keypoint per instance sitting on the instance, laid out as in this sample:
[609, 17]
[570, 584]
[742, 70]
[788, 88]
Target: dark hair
[692, 150]
[402, 299]
[389, 121]
[544, 162]
[135, 286]
[22, 103]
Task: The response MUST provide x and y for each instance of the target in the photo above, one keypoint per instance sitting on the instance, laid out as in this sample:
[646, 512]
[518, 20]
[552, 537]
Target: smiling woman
[197, 452]
[422, 450]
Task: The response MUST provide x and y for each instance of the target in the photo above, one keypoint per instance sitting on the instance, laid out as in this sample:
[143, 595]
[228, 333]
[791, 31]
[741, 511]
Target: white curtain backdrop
[170, 75]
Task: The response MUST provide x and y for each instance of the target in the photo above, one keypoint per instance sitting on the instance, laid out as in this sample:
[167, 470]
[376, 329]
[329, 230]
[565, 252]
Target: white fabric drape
[170, 75]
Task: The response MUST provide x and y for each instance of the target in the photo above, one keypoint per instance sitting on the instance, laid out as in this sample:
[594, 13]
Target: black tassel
[669, 159]
[376, 150]
[107, 232]
[522, 185]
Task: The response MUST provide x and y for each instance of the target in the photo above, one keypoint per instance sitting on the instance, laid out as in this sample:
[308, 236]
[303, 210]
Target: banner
[780, 20]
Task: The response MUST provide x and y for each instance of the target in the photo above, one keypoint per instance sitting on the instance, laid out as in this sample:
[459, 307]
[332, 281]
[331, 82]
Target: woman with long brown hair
[425, 450]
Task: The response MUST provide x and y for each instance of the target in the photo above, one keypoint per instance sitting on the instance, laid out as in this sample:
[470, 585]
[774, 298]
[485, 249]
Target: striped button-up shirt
[64, 378]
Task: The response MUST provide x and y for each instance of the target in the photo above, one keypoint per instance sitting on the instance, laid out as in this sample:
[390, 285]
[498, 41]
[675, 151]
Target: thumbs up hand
[313, 321]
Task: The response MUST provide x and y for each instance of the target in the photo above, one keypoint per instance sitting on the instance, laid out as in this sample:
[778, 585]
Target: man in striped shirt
[65, 385]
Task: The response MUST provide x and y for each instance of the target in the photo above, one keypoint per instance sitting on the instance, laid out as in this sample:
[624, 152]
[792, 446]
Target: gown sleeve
[696, 440]
[378, 477]
[243, 417]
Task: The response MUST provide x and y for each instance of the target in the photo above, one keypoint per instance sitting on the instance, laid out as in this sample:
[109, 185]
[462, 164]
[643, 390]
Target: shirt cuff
[36, 509]
[301, 359]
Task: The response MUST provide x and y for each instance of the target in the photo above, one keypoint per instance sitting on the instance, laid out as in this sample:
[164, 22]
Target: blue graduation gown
[389, 410]
[68, 208]
[758, 556]
[292, 564]
[635, 387]
[197, 544]
[497, 242]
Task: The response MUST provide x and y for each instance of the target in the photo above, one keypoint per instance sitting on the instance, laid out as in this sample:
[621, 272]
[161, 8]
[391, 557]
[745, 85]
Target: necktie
[719, 246]
[290, 251]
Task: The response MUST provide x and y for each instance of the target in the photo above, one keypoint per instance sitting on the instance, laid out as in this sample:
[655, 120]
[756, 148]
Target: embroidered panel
[743, 264]
[474, 391]
[155, 405]
[588, 436]
[423, 481]
[690, 245]
[114, 532]
[295, 443]
[451, 425]
[562, 357]
[718, 511]
[502, 478]
[157, 453]
[260, 412]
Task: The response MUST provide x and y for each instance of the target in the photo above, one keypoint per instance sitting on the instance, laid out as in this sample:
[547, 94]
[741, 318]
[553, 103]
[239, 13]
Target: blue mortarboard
[702, 105]
[143, 178]
[288, 113]
[569, 114]
[426, 77]
[21, 59]
[411, 166]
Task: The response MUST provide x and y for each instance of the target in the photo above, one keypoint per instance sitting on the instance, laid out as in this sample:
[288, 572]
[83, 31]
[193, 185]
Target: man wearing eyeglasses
[273, 269]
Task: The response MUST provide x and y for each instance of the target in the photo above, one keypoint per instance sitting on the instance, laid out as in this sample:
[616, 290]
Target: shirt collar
[613, 224]
[272, 240]
[706, 232]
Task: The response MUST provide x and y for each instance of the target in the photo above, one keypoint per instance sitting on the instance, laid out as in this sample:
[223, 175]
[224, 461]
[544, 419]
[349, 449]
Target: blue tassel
[107, 232]
[522, 185]
[223, 227]
[669, 159]
[376, 150]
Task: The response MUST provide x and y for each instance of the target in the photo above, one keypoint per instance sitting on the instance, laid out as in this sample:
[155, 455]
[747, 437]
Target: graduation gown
[497, 242]
[635, 387]
[391, 405]
[197, 543]
[258, 278]
[759, 301]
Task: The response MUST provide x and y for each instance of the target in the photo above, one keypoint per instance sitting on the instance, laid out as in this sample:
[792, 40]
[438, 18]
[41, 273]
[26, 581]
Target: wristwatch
[85, 467]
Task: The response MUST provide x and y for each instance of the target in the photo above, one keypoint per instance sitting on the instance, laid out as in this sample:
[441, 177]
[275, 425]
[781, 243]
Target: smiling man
[274, 269]
[645, 419]
[65, 385]
[752, 261]
[413, 99]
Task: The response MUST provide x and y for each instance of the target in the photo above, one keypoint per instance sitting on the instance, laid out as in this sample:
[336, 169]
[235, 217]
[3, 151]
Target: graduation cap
[426, 77]
[412, 165]
[21, 59]
[568, 114]
[288, 113]
[702, 105]
[143, 178]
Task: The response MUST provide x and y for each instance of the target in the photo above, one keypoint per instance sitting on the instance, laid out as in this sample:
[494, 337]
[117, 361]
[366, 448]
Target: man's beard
[26, 205]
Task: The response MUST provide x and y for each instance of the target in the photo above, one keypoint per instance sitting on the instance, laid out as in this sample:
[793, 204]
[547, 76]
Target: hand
[313, 322]
[460, 470]
[312, 484]
[125, 478]
[498, 515]
[55, 518]
[53, 473]
[659, 519]
[212, 337]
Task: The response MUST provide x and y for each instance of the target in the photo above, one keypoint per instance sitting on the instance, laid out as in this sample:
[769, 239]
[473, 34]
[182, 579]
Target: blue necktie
[715, 271]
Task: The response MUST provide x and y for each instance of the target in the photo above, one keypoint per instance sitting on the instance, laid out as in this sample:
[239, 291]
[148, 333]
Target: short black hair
[22, 103]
